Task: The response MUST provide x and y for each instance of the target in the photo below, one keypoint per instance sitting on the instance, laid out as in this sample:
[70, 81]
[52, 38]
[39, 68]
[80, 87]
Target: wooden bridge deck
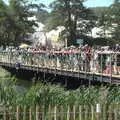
[115, 79]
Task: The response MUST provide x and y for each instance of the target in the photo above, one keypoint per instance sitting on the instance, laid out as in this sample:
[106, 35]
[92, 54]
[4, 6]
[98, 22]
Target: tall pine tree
[74, 16]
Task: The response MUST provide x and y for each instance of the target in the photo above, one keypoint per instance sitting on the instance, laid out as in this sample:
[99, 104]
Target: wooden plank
[92, 112]
[116, 112]
[74, 112]
[37, 112]
[98, 112]
[106, 77]
[43, 112]
[68, 113]
[80, 112]
[24, 113]
[110, 115]
[86, 112]
[30, 113]
[5, 114]
[10, 112]
[49, 112]
[61, 113]
[17, 113]
[55, 113]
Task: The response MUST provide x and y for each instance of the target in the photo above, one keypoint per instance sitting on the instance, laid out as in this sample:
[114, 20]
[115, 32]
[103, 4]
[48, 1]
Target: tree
[115, 19]
[108, 20]
[3, 20]
[103, 22]
[14, 21]
[99, 10]
[73, 16]
[40, 12]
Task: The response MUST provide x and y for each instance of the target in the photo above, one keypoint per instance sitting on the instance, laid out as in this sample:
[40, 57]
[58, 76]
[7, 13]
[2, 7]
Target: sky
[96, 3]
[88, 3]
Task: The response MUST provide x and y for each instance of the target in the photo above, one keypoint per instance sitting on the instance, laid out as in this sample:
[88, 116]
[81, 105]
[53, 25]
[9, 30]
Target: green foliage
[115, 18]
[14, 23]
[8, 92]
[74, 16]
[46, 95]
[98, 11]
[40, 11]
[109, 21]
[55, 95]
[113, 95]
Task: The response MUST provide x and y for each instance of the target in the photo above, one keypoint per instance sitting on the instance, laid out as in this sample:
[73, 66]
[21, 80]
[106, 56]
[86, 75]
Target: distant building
[100, 32]
[45, 39]
[50, 39]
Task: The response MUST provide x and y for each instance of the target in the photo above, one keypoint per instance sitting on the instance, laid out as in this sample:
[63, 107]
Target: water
[20, 84]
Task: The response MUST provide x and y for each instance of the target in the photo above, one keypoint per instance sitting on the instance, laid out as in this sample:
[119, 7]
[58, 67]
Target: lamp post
[66, 45]
[66, 39]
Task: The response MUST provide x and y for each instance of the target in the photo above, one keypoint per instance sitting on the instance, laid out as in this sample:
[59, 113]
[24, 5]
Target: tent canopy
[24, 45]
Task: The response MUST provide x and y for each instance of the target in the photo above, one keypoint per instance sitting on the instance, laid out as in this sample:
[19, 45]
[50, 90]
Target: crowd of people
[104, 60]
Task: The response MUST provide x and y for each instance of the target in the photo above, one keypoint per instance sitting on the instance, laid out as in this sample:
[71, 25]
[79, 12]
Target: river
[20, 84]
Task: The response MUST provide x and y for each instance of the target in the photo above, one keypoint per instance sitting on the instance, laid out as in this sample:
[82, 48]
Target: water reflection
[21, 85]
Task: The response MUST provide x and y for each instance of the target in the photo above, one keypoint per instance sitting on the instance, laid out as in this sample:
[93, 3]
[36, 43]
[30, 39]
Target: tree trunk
[69, 26]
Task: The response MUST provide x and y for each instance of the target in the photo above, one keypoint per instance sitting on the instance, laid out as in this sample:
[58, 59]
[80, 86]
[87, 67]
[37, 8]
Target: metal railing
[96, 63]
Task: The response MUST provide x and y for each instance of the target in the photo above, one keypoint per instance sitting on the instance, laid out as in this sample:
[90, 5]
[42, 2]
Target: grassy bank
[55, 96]
[2, 72]
[42, 94]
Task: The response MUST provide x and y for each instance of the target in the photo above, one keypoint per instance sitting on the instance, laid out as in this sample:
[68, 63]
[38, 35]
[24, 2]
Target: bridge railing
[95, 63]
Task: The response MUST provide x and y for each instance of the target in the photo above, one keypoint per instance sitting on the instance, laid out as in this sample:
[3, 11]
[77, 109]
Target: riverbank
[3, 72]
[21, 84]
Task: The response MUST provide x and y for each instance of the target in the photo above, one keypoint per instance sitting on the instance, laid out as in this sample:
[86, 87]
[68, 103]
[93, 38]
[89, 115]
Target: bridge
[68, 64]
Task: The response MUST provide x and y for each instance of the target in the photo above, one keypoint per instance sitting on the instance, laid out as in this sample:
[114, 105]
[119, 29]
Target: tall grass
[41, 94]
[8, 93]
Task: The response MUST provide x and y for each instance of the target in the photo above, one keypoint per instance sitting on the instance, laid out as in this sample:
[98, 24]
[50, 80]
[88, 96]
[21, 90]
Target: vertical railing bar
[68, 113]
[74, 112]
[80, 112]
[55, 112]
[62, 112]
[49, 112]
[92, 112]
[4, 117]
[24, 113]
[17, 113]
[30, 113]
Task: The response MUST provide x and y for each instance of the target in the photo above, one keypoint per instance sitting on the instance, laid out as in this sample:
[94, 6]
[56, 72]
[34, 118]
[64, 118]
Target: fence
[75, 112]
[103, 63]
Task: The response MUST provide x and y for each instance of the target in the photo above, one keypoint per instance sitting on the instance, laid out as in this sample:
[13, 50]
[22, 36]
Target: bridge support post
[35, 78]
[66, 82]
[89, 82]
[44, 76]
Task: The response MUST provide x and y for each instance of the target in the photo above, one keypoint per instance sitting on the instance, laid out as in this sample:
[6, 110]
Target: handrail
[67, 60]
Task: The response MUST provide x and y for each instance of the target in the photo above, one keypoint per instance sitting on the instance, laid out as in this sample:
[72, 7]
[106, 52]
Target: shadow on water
[21, 84]
[26, 79]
